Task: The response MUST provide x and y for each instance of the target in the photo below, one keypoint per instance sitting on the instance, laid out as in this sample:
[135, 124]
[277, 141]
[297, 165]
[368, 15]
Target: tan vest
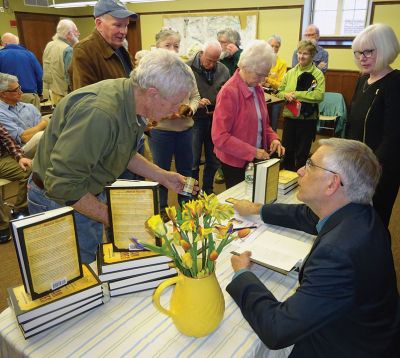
[53, 66]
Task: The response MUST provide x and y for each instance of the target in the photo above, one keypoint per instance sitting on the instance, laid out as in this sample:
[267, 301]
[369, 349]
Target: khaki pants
[10, 169]
[30, 147]
[55, 98]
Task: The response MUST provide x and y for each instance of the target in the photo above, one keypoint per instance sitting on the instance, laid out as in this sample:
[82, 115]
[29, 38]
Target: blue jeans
[274, 110]
[202, 135]
[90, 232]
[164, 145]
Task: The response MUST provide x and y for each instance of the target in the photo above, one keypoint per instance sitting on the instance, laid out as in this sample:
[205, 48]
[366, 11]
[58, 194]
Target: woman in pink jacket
[241, 131]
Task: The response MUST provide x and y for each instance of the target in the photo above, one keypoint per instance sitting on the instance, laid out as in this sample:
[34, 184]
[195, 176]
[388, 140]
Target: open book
[266, 175]
[275, 251]
[130, 204]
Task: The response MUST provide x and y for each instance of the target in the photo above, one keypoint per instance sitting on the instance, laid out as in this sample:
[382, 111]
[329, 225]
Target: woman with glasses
[240, 130]
[172, 137]
[374, 112]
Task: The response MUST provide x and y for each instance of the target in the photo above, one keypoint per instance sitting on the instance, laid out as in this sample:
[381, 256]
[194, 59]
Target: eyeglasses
[17, 89]
[311, 34]
[365, 53]
[309, 164]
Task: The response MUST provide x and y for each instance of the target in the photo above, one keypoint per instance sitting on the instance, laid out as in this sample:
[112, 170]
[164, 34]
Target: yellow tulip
[156, 224]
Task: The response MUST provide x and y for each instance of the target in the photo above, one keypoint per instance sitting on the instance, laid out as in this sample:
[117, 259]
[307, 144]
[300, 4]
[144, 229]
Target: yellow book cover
[73, 292]
[287, 176]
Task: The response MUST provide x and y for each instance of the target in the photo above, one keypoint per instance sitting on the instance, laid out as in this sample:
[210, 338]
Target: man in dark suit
[347, 304]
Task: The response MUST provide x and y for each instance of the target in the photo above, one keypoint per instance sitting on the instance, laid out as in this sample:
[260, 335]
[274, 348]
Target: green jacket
[89, 141]
[289, 84]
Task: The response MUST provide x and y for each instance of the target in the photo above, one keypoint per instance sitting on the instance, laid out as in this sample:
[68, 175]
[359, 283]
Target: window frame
[334, 41]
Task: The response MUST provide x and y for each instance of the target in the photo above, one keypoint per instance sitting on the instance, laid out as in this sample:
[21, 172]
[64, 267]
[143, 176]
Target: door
[35, 31]
[133, 37]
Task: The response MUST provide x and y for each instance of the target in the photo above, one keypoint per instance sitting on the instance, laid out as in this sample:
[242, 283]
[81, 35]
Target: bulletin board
[196, 29]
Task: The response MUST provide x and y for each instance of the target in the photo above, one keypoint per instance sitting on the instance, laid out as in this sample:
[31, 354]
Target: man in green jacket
[92, 138]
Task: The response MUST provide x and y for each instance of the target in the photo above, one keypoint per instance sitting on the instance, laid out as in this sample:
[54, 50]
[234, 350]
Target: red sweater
[234, 128]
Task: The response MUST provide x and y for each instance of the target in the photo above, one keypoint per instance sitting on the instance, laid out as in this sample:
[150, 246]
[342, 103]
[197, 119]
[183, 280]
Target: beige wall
[282, 19]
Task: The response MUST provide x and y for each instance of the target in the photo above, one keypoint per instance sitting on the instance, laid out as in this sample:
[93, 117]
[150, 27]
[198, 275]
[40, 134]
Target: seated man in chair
[23, 121]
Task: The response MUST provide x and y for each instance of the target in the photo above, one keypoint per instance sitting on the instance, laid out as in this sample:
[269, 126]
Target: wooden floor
[10, 275]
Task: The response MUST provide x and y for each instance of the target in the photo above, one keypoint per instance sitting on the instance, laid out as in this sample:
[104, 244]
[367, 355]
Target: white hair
[5, 80]
[165, 71]
[64, 27]
[259, 54]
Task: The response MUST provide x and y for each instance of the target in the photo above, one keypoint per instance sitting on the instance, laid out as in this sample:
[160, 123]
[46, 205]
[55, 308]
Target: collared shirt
[8, 146]
[16, 119]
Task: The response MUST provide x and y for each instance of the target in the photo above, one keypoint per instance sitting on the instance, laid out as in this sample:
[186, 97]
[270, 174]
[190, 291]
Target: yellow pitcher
[197, 304]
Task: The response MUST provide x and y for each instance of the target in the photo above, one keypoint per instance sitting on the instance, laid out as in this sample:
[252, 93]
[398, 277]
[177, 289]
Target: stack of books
[73, 299]
[133, 271]
[287, 181]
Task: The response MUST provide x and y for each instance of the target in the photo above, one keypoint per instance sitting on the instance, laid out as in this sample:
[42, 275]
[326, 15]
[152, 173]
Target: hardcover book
[137, 288]
[109, 260]
[287, 178]
[130, 204]
[266, 174]
[47, 250]
[27, 309]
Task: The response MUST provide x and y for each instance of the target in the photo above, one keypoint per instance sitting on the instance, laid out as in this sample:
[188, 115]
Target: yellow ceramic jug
[197, 304]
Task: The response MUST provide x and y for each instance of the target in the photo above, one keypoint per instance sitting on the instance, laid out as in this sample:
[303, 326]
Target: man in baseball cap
[112, 7]
[101, 55]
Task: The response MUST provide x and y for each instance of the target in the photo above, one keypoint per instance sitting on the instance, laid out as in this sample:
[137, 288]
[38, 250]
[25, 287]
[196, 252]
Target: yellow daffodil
[185, 245]
[203, 232]
[213, 255]
[188, 225]
[171, 213]
[223, 231]
[156, 225]
[187, 260]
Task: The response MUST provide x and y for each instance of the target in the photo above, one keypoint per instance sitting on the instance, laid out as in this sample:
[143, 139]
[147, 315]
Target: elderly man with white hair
[102, 54]
[210, 76]
[93, 136]
[346, 304]
[57, 57]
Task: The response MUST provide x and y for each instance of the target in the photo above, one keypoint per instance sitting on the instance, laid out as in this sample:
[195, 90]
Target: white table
[130, 326]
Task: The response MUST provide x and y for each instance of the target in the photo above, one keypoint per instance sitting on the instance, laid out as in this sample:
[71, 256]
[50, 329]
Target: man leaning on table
[347, 304]
[92, 138]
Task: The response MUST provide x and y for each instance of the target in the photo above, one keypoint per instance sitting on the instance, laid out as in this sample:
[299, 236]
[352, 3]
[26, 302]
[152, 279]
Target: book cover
[144, 286]
[275, 251]
[287, 178]
[109, 260]
[130, 204]
[288, 189]
[26, 309]
[266, 174]
[47, 250]
[294, 107]
[134, 280]
[86, 308]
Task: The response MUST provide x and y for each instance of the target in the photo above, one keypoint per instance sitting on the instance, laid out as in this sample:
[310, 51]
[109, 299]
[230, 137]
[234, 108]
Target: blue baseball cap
[114, 8]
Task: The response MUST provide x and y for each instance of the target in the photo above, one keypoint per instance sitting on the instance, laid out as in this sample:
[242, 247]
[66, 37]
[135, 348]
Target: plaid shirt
[8, 145]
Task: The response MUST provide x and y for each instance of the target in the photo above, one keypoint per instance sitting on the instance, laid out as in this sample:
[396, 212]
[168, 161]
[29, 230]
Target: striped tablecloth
[130, 326]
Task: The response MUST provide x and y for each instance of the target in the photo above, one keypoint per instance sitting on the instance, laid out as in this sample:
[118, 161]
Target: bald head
[311, 33]
[210, 55]
[9, 39]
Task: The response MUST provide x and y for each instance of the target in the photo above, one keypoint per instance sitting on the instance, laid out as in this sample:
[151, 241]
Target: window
[340, 18]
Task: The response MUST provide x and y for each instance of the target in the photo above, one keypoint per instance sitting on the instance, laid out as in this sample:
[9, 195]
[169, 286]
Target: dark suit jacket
[347, 304]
